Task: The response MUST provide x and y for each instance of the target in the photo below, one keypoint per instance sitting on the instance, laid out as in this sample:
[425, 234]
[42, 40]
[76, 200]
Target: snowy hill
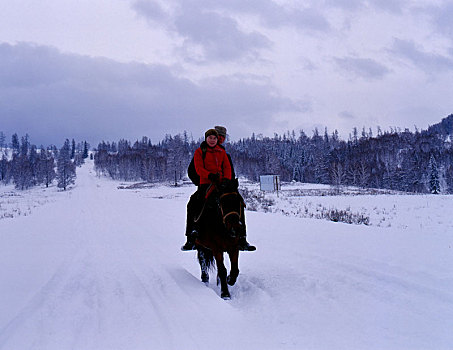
[99, 267]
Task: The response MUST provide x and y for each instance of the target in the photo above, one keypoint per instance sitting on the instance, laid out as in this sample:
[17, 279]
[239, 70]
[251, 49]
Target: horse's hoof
[231, 281]
[225, 296]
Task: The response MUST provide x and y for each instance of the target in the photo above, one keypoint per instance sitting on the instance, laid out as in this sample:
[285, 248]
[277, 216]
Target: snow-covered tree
[66, 170]
[22, 173]
[4, 169]
[338, 174]
[85, 150]
[2, 140]
[15, 145]
[434, 182]
[46, 167]
[73, 149]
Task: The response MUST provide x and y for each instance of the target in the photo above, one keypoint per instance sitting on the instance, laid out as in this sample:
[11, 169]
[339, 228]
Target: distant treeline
[25, 165]
[420, 161]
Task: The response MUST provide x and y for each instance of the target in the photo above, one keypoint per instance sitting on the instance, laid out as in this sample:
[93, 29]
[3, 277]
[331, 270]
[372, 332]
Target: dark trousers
[193, 210]
[243, 216]
[194, 207]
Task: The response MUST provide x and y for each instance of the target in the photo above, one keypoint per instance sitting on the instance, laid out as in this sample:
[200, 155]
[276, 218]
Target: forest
[402, 160]
[419, 162]
[25, 165]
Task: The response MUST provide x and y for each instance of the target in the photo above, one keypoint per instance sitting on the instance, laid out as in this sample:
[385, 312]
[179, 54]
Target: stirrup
[190, 243]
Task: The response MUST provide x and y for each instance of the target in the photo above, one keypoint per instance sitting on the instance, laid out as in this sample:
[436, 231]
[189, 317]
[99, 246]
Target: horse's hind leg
[234, 272]
[222, 276]
[204, 266]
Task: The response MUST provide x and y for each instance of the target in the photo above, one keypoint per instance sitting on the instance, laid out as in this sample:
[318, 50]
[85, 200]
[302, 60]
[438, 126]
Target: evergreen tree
[85, 150]
[78, 159]
[50, 173]
[395, 159]
[22, 173]
[46, 168]
[73, 149]
[4, 169]
[66, 170]
[2, 140]
[24, 145]
[15, 146]
[449, 178]
[434, 183]
[34, 160]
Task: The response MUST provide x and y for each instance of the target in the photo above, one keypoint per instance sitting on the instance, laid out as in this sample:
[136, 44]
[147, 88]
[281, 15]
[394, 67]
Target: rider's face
[221, 139]
[211, 140]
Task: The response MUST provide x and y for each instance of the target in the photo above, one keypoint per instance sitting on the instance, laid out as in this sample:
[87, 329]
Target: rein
[209, 190]
[224, 216]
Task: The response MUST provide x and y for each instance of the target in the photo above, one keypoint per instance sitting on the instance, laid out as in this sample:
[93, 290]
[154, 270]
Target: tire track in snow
[110, 295]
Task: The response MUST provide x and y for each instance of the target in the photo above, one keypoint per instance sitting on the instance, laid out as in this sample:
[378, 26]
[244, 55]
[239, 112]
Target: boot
[190, 243]
[244, 245]
[191, 234]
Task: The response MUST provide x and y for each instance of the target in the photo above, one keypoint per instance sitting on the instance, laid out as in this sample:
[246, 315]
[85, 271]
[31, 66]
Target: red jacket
[215, 161]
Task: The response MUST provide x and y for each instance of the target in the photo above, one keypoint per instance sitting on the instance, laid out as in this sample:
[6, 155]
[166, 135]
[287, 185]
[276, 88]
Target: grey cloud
[441, 17]
[272, 14]
[151, 10]
[427, 61]
[219, 35]
[52, 96]
[310, 19]
[215, 25]
[362, 67]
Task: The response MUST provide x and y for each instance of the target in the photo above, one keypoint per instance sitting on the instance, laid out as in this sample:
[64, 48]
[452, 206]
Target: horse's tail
[206, 258]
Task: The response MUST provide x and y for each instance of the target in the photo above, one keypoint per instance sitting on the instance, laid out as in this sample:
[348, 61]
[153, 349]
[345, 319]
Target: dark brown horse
[220, 225]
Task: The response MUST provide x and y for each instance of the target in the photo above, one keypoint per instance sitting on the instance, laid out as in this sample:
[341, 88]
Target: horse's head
[231, 205]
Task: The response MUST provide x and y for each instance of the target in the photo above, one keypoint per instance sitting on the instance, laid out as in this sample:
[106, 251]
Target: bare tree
[364, 175]
[338, 174]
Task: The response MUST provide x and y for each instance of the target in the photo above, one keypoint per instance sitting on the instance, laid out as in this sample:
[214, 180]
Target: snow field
[99, 267]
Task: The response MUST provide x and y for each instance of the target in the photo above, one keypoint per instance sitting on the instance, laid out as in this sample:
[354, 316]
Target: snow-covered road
[99, 267]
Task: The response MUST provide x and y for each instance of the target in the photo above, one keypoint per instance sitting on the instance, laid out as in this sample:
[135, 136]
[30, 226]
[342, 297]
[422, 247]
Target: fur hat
[211, 132]
[221, 130]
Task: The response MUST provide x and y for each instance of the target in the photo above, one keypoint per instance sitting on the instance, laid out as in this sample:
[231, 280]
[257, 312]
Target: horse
[219, 228]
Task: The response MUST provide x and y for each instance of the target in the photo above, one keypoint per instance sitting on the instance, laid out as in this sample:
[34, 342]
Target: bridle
[237, 213]
[224, 216]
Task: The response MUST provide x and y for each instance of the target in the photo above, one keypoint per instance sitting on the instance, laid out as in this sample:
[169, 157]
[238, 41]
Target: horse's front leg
[222, 276]
[234, 273]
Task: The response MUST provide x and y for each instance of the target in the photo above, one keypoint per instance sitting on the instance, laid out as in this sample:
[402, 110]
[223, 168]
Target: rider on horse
[212, 164]
[243, 244]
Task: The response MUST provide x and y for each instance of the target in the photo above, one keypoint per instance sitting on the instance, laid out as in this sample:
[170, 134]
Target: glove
[214, 177]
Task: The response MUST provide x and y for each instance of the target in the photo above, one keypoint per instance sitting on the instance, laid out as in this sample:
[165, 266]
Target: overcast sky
[109, 69]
